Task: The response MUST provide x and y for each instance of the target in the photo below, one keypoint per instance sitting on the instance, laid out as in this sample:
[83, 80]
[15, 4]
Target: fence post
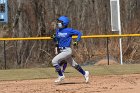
[107, 51]
[4, 52]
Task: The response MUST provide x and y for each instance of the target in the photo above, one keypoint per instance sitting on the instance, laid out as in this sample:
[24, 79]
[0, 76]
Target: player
[64, 38]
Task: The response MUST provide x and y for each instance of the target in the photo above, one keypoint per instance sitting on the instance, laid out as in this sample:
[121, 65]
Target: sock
[79, 68]
[58, 69]
[64, 67]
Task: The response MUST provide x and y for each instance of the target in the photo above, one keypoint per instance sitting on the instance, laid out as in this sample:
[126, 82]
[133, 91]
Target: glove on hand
[53, 36]
[75, 43]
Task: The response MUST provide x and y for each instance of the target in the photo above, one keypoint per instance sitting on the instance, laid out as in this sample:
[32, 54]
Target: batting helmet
[64, 19]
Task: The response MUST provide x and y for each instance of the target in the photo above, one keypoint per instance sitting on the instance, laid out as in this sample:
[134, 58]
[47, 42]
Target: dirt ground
[97, 84]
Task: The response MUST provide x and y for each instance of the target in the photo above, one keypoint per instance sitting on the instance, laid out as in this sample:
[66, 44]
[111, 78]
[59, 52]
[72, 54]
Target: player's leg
[55, 63]
[64, 66]
[58, 58]
[79, 68]
[75, 65]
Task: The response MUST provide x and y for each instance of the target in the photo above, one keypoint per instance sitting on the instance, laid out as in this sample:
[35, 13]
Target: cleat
[59, 79]
[86, 76]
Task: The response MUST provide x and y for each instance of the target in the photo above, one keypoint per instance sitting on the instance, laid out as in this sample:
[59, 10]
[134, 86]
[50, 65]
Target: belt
[62, 48]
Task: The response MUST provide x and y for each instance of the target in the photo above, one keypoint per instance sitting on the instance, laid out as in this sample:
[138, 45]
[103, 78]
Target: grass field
[43, 73]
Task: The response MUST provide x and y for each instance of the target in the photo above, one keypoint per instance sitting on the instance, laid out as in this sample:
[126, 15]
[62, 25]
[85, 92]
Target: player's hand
[53, 36]
[75, 43]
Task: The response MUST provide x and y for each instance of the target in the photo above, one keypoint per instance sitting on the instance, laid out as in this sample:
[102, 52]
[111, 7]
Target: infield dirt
[98, 84]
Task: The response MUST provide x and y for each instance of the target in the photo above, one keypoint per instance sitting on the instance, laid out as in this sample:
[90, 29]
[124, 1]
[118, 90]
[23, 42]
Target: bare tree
[36, 18]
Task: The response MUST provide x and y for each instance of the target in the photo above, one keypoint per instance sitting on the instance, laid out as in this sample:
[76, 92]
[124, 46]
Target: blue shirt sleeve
[76, 32]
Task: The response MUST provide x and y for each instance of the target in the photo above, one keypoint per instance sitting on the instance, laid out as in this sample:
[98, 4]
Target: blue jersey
[64, 36]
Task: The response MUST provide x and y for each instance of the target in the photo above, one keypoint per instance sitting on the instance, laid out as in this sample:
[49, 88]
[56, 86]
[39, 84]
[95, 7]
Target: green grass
[43, 73]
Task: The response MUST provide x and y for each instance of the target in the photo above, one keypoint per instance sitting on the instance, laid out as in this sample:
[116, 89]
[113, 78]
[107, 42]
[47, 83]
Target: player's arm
[78, 33]
[54, 36]
[55, 39]
[56, 48]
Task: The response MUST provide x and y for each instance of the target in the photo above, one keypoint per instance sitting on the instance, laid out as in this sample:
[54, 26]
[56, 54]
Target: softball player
[64, 38]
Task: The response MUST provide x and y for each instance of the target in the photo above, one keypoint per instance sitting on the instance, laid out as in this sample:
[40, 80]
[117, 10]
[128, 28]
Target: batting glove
[53, 36]
[75, 43]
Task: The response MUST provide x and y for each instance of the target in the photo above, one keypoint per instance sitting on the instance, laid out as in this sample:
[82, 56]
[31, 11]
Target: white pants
[66, 54]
